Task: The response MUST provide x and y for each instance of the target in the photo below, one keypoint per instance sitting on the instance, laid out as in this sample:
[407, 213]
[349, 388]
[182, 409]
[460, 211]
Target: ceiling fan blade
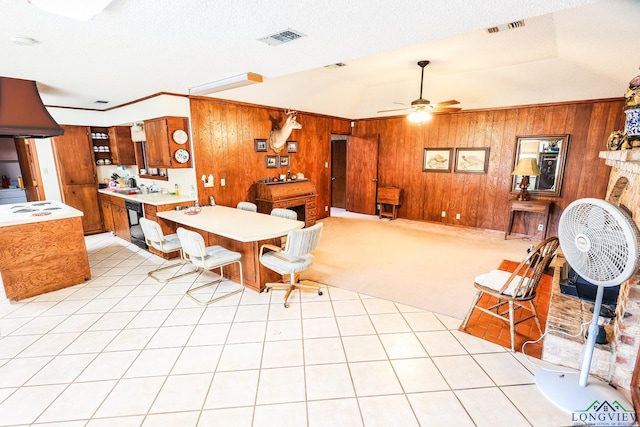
[397, 109]
[445, 110]
[444, 103]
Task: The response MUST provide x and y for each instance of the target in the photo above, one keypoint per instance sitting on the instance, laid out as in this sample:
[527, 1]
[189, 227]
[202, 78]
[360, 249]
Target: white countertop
[236, 224]
[155, 199]
[30, 212]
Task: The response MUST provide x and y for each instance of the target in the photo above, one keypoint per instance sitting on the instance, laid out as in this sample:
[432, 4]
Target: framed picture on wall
[260, 145]
[292, 146]
[472, 160]
[436, 160]
[271, 162]
[283, 161]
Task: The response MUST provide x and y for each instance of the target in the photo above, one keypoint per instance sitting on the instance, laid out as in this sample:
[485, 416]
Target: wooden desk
[534, 206]
[239, 231]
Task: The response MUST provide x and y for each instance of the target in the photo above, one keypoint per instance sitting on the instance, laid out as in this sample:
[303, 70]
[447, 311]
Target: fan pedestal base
[564, 390]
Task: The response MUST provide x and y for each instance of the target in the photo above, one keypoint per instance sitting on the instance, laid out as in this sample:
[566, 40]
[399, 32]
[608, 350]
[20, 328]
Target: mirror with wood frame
[550, 152]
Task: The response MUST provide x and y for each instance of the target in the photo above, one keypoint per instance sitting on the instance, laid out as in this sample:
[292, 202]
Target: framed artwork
[260, 145]
[271, 162]
[283, 161]
[437, 160]
[292, 146]
[472, 160]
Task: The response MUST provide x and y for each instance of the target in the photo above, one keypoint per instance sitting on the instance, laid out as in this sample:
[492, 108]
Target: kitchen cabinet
[41, 254]
[107, 212]
[113, 145]
[120, 218]
[101, 146]
[167, 142]
[77, 177]
[122, 146]
[115, 216]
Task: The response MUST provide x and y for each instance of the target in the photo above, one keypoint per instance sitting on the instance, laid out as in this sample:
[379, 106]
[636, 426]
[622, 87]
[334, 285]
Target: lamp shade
[527, 167]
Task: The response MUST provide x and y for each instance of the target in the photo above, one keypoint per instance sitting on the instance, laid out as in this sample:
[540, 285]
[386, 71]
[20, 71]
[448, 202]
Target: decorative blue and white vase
[632, 124]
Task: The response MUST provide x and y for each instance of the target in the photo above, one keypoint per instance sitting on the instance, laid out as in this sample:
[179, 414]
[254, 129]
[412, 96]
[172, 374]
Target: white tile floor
[124, 350]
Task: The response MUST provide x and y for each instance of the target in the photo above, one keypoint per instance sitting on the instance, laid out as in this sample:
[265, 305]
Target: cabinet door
[122, 147]
[107, 214]
[85, 199]
[157, 144]
[73, 153]
[121, 221]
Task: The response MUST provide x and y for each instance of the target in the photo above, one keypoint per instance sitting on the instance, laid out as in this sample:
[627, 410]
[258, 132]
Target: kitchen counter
[154, 199]
[30, 212]
[42, 248]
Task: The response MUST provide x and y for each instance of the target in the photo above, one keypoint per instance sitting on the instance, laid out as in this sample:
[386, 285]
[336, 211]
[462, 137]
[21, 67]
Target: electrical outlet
[326, 208]
[223, 182]
[444, 214]
[540, 227]
[457, 216]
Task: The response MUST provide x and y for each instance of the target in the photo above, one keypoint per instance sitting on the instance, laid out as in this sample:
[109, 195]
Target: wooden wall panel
[223, 145]
[482, 200]
[224, 132]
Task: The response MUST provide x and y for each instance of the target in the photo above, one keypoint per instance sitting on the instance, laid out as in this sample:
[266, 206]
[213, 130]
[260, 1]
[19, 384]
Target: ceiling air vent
[281, 37]
[100, 101]
[516, 24]
[509, 26]
[336, 65]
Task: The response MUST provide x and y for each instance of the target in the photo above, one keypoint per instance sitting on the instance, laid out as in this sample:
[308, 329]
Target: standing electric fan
[600, 242]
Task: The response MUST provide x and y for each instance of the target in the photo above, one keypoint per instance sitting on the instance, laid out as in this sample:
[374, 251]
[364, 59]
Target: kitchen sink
[126, 190]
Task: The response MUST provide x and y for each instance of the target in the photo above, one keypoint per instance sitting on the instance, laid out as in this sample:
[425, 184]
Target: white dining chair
[208, 258]
[155, 238]
[291, 260]
[247, 206]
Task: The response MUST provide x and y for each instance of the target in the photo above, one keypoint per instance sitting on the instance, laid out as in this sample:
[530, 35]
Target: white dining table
[239, 231]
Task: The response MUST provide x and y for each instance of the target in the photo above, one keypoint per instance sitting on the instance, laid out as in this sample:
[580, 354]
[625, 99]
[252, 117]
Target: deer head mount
[279, 135]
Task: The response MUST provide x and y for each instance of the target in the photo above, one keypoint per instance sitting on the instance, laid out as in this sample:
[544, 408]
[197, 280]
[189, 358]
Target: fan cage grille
[611, 255]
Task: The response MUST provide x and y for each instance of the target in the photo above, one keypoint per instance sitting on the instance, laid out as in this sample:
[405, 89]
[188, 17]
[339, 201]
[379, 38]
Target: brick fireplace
[614, 362]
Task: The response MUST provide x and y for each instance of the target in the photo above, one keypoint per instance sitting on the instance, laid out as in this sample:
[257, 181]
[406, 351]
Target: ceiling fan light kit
[419, 116]
[421, 109]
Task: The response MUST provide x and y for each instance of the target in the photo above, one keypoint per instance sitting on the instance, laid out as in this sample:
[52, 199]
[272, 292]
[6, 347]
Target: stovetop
[34, 208]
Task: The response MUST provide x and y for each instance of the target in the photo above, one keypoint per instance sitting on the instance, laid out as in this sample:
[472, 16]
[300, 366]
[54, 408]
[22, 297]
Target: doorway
[338, 172]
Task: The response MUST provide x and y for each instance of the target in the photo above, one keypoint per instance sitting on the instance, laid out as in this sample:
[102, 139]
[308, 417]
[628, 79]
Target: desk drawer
[529, 206]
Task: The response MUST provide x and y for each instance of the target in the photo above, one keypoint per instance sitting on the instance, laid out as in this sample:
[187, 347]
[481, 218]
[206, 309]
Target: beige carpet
[424, 265]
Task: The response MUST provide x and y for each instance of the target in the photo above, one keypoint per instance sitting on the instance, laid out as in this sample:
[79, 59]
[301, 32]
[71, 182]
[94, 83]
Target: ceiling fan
[421, 109]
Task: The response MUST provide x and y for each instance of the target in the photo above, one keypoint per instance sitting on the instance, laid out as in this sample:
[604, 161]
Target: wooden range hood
[22, 113]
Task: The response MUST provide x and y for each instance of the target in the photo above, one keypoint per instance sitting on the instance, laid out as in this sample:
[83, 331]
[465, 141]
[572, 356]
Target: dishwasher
[134, 209]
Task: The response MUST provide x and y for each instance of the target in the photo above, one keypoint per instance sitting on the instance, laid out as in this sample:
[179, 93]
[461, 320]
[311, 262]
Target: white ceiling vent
[504, 27]
[281, 37]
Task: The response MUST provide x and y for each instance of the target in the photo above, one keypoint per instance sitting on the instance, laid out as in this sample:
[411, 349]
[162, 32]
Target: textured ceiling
[567, 50]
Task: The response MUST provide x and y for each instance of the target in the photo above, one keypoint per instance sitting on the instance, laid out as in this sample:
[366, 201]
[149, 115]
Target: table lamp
[526, 168]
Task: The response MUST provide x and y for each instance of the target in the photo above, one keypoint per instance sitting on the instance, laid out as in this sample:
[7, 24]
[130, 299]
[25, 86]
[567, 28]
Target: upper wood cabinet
[122, 148]
[77, 177]
[167, 144]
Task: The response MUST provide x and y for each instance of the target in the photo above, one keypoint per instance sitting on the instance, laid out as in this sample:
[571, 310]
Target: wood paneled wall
[482, 200]
[224, 133]
[223, 145]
